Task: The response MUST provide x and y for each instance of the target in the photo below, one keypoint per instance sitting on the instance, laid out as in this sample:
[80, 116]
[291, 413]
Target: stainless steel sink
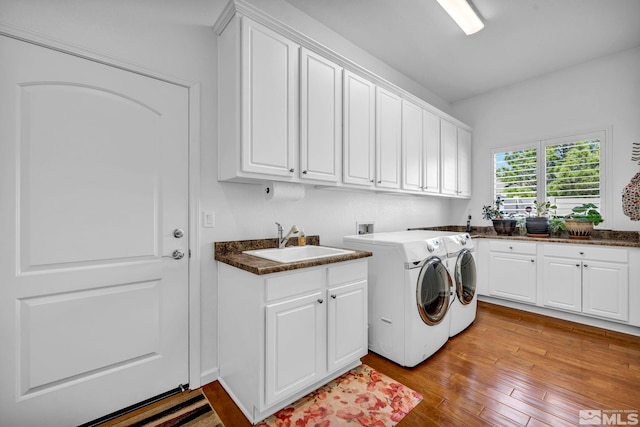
[297, 253]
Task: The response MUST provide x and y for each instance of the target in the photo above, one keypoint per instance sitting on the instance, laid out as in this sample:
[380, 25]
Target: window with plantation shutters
[515, 179]
[565, 171]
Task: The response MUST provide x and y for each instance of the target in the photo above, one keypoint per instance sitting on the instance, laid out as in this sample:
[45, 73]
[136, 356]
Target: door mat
[186, 409]
[362, 396]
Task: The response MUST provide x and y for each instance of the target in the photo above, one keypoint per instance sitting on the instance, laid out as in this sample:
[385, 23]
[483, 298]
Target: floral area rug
[360, 397]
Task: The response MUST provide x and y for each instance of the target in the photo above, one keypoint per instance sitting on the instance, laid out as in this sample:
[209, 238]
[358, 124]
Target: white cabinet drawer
[290, 284]
[511, 246]
[347, 273]
[598, 253]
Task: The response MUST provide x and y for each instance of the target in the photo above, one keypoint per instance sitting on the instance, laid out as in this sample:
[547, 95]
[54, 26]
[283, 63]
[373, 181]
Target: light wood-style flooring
[510, 368]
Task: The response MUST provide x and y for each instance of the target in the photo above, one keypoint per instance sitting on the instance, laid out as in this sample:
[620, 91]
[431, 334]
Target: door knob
[178, 233]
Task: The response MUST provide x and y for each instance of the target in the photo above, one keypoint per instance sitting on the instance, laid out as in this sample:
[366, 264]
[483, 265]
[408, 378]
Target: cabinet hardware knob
[371, 180]
[511, 247]
[333, 296]
[577, 265]
[320, 300]
[585, 266]
[379, 182]
[533, 260]
[304, 172]
[581, 253]
[292, 170]
[178, 233]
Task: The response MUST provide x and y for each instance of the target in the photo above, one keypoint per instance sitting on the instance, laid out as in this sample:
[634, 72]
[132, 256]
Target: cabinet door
[605, 289]
[513, 276]
[320, 118]
[464, 163]
[449, 159]
[412, 146]
[388, 139]
[347, 324]
[359, 130]
[431, 157]
[562, 284]
[269, 101]
[295, 345]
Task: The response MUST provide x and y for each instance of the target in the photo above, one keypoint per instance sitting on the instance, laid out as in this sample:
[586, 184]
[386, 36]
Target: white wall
[600, 94]
[174, 37]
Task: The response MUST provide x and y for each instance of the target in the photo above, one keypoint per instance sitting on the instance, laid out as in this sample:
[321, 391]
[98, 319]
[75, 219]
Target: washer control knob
[430, 247]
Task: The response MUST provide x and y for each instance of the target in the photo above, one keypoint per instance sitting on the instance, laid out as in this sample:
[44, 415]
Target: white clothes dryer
[462, 267]
[409, 294]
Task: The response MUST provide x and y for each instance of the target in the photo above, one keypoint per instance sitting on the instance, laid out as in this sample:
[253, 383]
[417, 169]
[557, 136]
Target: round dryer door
[433, 290]
[465, 277]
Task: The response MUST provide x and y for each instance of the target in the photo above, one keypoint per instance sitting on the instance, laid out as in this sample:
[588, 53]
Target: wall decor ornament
[631, 198]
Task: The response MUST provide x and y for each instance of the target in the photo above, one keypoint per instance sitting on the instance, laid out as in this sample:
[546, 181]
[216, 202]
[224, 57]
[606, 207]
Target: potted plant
[538, 226]
[557, 225]
[581, 220]
[502, 226]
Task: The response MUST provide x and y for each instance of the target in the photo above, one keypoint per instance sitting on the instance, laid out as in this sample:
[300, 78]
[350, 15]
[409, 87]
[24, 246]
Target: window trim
[603, 134]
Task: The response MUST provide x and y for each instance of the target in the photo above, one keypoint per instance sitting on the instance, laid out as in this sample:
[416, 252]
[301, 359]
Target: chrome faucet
[282, 241]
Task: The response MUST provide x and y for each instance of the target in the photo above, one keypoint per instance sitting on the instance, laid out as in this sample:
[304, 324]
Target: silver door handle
[177, 254]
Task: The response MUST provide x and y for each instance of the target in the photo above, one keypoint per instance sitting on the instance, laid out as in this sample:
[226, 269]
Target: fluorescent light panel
[463, 14]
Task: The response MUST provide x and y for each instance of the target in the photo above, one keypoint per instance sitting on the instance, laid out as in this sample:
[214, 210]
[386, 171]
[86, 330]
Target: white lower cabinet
[512, 270]
[285, 334]
[294, 341]
[587, 279]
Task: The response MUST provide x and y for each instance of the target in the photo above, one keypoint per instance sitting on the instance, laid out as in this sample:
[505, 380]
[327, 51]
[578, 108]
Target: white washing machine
[409, 293]
[462, 267]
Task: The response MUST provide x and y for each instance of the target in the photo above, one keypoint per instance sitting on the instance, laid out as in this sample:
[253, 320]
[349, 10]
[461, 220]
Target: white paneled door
[93, 204]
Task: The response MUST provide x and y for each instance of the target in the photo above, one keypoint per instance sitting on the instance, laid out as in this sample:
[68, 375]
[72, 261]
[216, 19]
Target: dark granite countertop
[231, 253]
[629, 239]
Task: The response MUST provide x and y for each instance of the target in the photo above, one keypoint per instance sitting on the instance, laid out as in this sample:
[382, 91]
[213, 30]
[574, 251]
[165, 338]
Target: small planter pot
[504, 227]
[579, 229]
[537, 226]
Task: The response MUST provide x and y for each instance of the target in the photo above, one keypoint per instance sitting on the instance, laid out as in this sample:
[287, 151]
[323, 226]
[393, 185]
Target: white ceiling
[522, 39]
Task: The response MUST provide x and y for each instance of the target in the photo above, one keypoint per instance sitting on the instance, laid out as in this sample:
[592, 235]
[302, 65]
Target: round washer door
[433, 290]
[465, 273]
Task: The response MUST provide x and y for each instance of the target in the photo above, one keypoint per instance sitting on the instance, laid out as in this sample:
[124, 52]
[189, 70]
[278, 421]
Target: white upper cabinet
[290, 109]
[464, 163]
[258, 132]
[359, 130]
[388, 139]
[412, 146]
[320, 118]
[431, 158]
[455, 145]
[420, 149]
[449, 159]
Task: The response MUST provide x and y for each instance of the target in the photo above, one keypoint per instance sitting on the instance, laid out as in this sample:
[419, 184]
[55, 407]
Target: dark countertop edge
[628, 239]
[231, 253]
[262, 266]
[598, 242]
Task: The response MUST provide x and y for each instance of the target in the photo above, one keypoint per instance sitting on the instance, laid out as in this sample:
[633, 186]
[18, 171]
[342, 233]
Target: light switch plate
[208, 219]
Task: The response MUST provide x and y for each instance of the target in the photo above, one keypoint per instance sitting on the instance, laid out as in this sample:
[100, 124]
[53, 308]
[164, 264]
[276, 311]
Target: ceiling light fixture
[463, 14]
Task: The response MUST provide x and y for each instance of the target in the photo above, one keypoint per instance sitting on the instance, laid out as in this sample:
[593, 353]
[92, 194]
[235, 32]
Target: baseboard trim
[585, 320]
[209, 376]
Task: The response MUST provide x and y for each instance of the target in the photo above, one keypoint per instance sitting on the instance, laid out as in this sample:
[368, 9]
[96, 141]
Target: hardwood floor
[510, 368]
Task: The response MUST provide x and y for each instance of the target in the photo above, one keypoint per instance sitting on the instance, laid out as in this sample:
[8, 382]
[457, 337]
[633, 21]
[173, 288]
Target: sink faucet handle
[279, 226]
